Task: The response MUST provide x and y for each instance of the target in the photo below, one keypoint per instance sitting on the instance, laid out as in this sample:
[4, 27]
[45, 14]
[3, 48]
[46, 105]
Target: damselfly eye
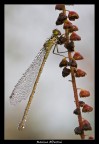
[56, 32]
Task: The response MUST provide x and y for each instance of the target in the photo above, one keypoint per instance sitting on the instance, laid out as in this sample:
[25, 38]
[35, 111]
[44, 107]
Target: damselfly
[26, 86]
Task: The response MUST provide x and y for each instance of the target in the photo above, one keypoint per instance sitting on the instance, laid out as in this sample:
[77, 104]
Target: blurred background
[51, 116]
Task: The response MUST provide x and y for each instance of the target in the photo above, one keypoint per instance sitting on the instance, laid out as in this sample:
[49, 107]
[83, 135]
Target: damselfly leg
[58, 52]
[60, 40]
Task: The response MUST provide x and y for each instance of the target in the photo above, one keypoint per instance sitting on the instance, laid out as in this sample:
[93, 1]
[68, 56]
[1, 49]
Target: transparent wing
[25, 85]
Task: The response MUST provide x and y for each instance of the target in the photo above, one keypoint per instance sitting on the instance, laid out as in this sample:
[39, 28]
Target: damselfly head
[56, 32]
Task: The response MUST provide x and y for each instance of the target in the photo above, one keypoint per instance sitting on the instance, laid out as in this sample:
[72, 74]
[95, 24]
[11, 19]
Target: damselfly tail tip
[20, 127]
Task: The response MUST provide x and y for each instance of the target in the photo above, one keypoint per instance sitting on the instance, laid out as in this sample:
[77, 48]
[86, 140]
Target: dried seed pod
[56, 32]
[91, 138]
[85, 122]
[70, 46]
[67, 25]
[65, 72]
[75, 37]
[78, 131]
[73, 28]
[61, 40]
[63, 63]
[80, 73]
[59, 22]
[81, 103]
[61, 18]
[84, 93]
[87, 108]
[86, 125]
[59, 7]
[77, 56]
[73, 15]
[77, 111]
[72, 63]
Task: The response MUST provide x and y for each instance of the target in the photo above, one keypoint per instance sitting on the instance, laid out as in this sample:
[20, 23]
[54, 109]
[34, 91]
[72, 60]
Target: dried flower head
[80, 73]
[87, 108]
[84, 93]
[78, 131]
[81, 103]
[77, 111]
[91, 137]
[65, 72]
[73, 15]
[77, 56]
[59, 22]
[86, 125]
[73, 28]
[75, 37]
[59, 7]
[61, 18]
[85, 121]
[63, 63]
[67, 25]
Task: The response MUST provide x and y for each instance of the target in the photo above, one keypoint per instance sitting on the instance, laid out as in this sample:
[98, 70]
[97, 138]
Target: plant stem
[74, 84]
[76, 97]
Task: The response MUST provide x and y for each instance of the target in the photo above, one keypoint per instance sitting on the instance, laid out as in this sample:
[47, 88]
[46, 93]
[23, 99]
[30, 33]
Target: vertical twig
[74, 82]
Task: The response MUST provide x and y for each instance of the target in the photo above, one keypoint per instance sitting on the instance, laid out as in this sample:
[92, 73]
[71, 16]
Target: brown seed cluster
[70, 66]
